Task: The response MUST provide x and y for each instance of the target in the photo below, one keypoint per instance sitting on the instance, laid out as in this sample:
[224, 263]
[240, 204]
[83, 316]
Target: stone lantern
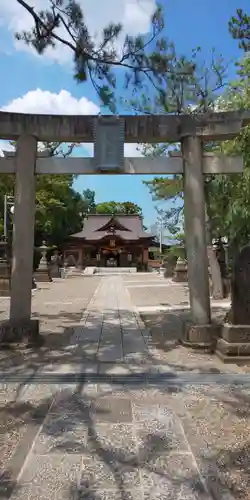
[42, 273]
[180, 272]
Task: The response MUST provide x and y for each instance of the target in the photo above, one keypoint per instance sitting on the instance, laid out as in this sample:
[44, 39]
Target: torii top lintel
[143, 128]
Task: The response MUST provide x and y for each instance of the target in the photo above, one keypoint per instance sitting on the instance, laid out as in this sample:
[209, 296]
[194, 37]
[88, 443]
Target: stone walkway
[120, 431]
[112, 326]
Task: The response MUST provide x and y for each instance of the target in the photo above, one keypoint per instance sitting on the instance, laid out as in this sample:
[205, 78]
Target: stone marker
[241, 288]
[234, 345]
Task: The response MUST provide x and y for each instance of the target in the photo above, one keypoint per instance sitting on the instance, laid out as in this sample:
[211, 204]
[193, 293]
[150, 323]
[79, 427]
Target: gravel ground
[167, 329]
[216, 421]
[59, 306]
[65, 299]
[151, 290]
[216, 425]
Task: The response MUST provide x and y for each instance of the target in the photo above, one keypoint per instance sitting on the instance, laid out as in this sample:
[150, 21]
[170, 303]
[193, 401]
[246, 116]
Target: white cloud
[135, 16]
[46, 102]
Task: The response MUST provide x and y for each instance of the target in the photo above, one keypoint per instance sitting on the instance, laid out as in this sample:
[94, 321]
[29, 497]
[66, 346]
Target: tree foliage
[190, 86]
[115, 208]
[229, 196]
[59, 208]
[169, 189]
[195, 93]
[239, 27]
[63, 23]
[89, 201]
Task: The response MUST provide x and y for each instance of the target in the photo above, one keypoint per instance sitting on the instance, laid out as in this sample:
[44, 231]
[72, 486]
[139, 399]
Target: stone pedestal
[13, 333]
[54, 270]
[234, 344]
[202, 336]
[42, 276]
[181, 271]
[162, 272]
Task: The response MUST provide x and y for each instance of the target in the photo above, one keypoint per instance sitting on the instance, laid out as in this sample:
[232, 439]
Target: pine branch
[239, 27]
[97, 62]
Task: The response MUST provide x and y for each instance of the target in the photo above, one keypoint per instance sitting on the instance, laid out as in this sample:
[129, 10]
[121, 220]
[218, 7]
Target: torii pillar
[20, 325]
[196, 242]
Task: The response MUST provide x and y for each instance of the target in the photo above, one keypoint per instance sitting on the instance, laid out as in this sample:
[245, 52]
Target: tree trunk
[217, 282]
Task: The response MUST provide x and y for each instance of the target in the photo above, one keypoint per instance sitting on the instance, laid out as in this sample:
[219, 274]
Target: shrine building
[110, 241]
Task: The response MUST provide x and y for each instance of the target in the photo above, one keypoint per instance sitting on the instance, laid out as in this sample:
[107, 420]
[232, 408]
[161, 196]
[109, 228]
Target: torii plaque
[109, 144]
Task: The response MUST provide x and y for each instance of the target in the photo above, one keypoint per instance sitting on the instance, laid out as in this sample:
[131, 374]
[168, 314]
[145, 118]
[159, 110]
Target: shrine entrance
[108, 133]
[112, 258]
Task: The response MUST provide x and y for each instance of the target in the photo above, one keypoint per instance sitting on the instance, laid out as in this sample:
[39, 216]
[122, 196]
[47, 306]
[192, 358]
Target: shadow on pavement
[72, 415]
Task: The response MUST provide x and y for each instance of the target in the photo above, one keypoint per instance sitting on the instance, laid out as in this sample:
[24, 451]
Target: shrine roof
[127, 227]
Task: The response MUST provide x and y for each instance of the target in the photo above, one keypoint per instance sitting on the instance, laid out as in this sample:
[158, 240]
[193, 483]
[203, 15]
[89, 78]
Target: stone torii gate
[109, 134]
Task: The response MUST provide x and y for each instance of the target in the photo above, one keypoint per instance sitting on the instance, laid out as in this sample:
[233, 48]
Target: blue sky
[188, 24]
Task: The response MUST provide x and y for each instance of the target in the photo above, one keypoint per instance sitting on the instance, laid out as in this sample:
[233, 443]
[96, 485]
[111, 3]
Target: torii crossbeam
[212, 164]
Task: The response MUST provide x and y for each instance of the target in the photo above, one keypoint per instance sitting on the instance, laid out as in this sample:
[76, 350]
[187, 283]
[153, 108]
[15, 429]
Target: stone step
[236, 360]
[116, 270]
[90, 270]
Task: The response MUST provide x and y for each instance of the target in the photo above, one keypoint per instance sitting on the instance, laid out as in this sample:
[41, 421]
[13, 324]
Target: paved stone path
[112, 326]
[120, 432]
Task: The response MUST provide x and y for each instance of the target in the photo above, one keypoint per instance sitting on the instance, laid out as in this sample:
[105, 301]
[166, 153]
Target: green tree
[114, 207]
[59, 208]
[89, 201]
[229, 196]
[196, 93]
